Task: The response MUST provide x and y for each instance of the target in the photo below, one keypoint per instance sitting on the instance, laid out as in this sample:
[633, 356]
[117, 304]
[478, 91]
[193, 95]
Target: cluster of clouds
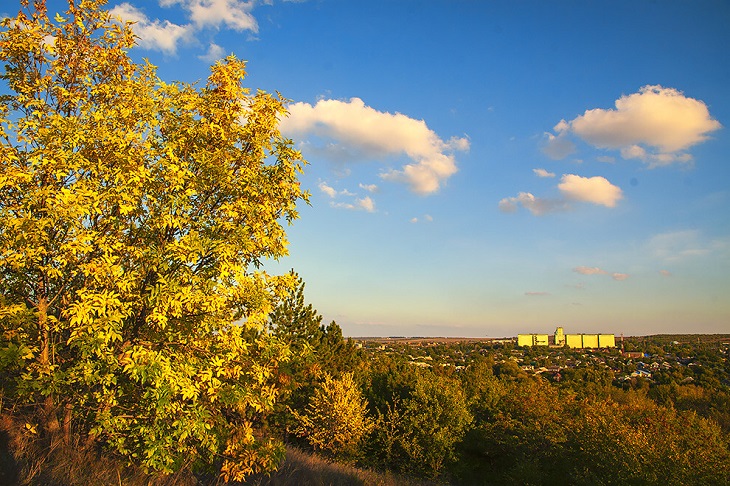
[166, 36]
[655, 125]
[573, 188]
[351, 131]
[351, 199]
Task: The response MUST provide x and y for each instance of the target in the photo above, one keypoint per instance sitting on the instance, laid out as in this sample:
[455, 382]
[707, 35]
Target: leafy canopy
[134, 214]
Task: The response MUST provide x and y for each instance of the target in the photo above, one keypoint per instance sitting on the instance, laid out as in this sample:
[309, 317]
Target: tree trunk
[52, 425]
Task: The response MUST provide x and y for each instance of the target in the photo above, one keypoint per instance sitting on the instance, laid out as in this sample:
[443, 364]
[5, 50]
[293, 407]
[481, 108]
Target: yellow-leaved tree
[335, 420]
[134, 214]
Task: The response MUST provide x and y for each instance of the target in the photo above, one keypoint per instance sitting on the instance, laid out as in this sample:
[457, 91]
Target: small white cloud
[543, 173]
[327, 189]
[620, 276]
[215, 53]
[596, 190]
[359, 131]
[369, 187]
[426, 219]
[366, 203]
[537, 206]
[665, 273]
[160, 35]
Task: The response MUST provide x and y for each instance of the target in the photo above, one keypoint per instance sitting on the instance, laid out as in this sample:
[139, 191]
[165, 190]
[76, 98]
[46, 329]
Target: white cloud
[596, 190]
[665, 273]
[655, 125]
[427, 218]
[537, 206]
[358, 131]
[233, 14]
[327, 189]
[215, 53]
[369, 187]
[620, 276]
[543, 173]
[160, 35]
[364, 204]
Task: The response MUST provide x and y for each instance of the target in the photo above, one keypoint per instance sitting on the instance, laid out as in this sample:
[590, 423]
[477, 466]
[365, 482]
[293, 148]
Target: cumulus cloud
[159, 35]
[656, 125]
[357, 131]
[165, 36]
[543, 173]
[233, 14]
[620, 276]
[596, 190]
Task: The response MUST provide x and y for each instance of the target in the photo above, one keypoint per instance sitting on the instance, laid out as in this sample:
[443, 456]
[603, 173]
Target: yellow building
[532, 340]
[590, 340]
[574, 340]
[606, 341]
[571, 340]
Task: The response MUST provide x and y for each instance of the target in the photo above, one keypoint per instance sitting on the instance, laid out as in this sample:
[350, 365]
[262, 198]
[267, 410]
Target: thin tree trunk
[52, 425]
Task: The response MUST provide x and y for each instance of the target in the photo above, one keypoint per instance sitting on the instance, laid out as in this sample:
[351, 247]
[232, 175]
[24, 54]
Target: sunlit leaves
[133, 215]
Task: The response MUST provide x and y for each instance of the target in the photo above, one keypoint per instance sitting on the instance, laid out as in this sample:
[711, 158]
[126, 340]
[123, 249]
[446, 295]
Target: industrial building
[570, 340]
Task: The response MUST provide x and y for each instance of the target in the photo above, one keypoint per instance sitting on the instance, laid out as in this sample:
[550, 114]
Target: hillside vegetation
[142, 343]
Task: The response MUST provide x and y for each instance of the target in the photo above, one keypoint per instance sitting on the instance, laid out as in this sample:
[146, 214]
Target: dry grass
[28, 459]
[304, 469]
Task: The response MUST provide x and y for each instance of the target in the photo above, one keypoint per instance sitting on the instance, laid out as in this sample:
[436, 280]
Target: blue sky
[490, 168]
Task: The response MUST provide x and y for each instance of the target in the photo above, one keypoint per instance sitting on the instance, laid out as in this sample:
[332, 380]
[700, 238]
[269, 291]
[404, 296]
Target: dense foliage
[133, 213]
